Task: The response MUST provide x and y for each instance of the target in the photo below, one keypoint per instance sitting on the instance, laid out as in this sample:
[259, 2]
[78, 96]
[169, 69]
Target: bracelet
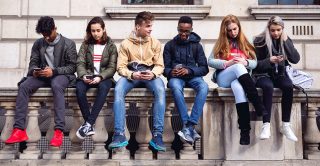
[247, 62]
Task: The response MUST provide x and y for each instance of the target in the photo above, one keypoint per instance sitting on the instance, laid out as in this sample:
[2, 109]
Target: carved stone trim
[159, 11]
[289, 12]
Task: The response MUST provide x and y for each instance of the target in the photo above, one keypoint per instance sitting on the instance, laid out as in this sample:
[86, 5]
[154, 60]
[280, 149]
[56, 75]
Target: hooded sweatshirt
[179, 51]
[145, 51]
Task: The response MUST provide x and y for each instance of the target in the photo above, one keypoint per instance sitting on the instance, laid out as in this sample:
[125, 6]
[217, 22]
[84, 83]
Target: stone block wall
[18, 19]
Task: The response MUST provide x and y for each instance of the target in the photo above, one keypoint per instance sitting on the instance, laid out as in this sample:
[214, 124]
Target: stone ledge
[158, 162]
[197, 12]
[289, 12]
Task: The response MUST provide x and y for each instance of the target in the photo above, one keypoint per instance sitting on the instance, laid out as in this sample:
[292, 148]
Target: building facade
[18, 20]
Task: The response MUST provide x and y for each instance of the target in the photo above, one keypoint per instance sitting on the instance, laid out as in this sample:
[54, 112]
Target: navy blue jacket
[189, 53]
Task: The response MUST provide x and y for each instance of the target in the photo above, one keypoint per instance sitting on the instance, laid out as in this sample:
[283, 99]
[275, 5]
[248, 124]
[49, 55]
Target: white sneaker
[265, 131]
[287, 131]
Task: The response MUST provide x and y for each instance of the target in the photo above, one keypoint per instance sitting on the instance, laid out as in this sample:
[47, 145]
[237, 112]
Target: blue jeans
[176, 85]
[81, 91]
[156, 86]
[229, 78]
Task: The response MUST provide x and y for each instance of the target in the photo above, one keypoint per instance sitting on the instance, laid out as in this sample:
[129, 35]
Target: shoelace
[86, 128]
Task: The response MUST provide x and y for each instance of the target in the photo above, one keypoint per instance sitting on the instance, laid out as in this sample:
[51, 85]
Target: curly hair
[222, 49]
[143, 16]
[45, 25]
[89, 38]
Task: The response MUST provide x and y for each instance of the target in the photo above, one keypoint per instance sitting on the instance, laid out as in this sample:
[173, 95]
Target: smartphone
[178, 66]
[89, 77]
[37, 69]
[144, 72]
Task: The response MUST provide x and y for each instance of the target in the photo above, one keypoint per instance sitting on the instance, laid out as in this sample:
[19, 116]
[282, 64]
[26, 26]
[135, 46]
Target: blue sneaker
[157, 143]
[186, 135]
[118, 141]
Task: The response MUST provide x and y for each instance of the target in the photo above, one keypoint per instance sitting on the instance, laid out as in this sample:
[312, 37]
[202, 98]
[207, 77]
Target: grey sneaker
[186, 135]
[196, 136]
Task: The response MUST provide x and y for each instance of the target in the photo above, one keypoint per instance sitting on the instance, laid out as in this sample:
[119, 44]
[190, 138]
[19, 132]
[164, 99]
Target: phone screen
[89, 77]
[37, 69]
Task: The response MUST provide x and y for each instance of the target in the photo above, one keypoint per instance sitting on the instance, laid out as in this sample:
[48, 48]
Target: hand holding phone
[89, 77]
[178, 66]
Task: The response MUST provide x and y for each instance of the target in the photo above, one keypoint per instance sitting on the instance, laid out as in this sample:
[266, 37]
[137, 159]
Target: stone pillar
[8, 151]
[143, 134]
[76, 151]
[312, 135]
[168, 135]
[99, 138]
[123, 153]
[188, 152]
[53, 152]
[33, 132]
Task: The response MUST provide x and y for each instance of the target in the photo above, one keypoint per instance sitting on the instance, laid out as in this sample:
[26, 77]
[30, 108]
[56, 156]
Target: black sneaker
[157, 143]
[186, 135]
[91, 131]
[83, 130]
[118, 141]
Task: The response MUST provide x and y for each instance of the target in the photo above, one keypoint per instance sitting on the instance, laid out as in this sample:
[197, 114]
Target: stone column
[8, 151]
[168, 135]
[312, 135]
[33, 132]
[76, 151]
[123, 153]
[53, 152]
[188, 152]
[99, 138]
[143, 134]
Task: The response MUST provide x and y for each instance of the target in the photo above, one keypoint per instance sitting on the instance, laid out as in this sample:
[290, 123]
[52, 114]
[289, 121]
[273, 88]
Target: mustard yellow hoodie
[142, 50]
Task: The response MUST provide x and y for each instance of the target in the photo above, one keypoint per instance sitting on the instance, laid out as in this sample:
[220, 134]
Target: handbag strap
[303, 91]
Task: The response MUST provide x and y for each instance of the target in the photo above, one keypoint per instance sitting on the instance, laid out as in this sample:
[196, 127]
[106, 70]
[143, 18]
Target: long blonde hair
[222, 47]
[266, 36]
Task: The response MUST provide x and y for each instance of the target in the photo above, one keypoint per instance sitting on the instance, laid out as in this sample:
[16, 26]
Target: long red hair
[222, 47]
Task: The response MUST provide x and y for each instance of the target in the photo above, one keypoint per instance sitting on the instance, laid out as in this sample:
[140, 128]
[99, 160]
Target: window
[158, 2]
[289, 2]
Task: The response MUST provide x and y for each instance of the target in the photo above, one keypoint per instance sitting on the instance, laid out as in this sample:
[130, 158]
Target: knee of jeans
[119, 93]
[240, 68]
[159, 92]
[56, 86]
[176, 89]
[203, 88]
[105, 86]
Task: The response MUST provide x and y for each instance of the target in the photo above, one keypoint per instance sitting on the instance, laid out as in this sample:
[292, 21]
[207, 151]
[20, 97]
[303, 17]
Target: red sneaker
[17, 135]
[57, 138]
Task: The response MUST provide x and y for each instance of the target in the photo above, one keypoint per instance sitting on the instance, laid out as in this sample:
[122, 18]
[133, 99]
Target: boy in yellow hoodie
[140, 63]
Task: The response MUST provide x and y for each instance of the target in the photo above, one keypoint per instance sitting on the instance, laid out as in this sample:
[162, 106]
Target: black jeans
[285, 84]
[58, 84]
[82, 88]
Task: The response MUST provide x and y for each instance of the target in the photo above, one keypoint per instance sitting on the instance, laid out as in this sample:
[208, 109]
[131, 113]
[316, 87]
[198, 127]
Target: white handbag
[299, 78]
